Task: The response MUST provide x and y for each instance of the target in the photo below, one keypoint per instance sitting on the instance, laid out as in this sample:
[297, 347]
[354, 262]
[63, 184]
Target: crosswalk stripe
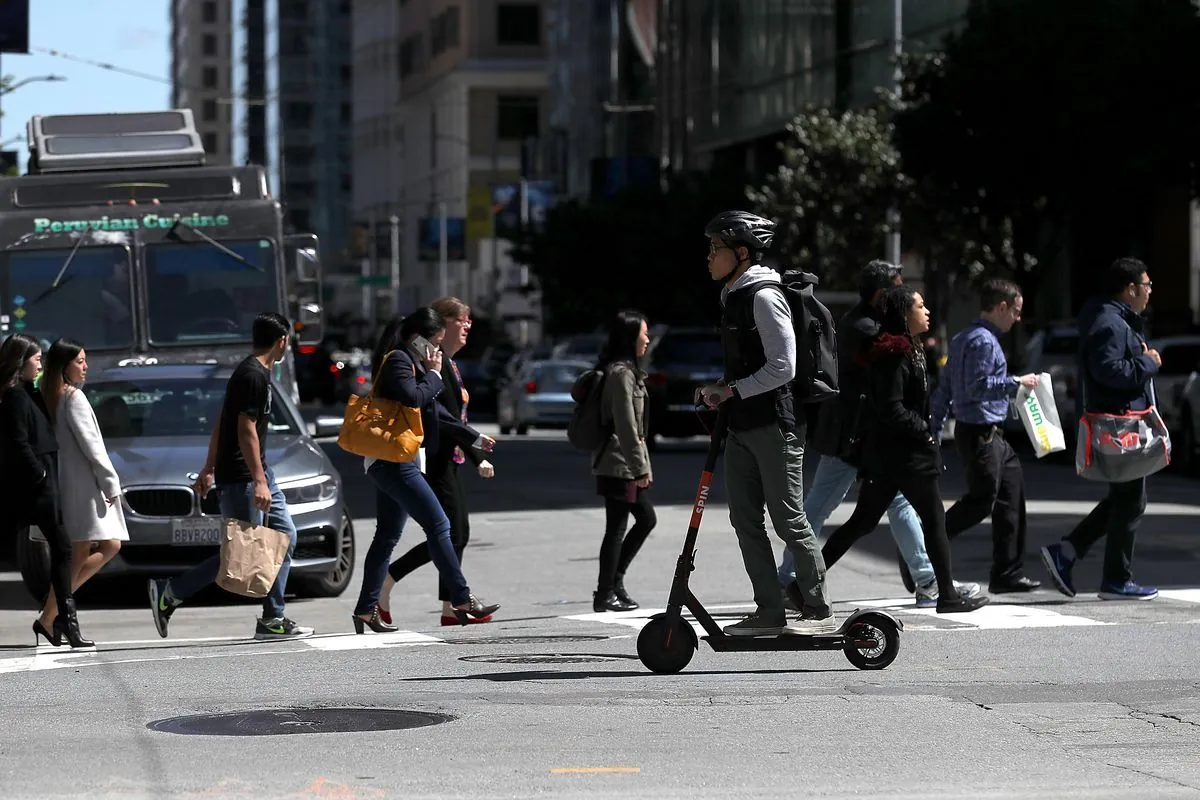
[1185, 595]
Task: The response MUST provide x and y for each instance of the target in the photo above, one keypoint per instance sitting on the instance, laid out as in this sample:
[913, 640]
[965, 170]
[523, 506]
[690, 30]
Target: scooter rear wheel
[666, 646]
[872, 642]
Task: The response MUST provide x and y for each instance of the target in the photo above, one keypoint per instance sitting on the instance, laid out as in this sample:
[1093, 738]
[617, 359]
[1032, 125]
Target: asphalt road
[1037, 696]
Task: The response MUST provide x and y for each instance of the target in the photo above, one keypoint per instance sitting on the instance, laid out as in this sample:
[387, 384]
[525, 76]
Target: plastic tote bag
[1115, 448]
[251, 556]
[1039, 415]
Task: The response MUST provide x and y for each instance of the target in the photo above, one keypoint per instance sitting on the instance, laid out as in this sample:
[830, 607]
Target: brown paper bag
[251, 556]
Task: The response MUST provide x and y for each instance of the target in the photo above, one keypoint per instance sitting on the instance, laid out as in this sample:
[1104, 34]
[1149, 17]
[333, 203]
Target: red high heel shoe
[386, 616]
[464, 620]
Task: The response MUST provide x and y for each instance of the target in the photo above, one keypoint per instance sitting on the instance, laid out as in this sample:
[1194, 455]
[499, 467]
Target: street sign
[374, 280]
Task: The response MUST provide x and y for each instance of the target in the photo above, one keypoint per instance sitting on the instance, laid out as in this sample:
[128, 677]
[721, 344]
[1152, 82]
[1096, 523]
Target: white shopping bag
[1039, 415]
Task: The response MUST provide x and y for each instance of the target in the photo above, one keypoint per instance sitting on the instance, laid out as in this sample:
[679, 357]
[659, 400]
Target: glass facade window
[759, 63]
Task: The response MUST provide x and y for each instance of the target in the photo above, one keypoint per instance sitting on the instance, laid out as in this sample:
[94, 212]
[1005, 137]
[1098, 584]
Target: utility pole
[893, 249]
[395, 253]
[443, 254]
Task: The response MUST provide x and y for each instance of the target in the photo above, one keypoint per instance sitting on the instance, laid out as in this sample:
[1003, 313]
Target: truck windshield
[92, 304]
[197, 294]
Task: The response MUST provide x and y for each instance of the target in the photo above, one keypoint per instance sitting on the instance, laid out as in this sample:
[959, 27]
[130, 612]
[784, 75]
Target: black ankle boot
[622, 595]
[608, 601]
[68, 627]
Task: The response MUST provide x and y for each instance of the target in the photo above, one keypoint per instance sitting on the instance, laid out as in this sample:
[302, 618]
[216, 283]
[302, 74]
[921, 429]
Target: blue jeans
[237, 502]
[830, 486]
[401, 491]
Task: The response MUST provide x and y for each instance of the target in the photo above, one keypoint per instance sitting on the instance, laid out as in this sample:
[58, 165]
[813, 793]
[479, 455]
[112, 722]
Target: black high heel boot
[480, 609]
[608, 601]
[40, 630]
[622, 595]
[374, 623]
[69, 627]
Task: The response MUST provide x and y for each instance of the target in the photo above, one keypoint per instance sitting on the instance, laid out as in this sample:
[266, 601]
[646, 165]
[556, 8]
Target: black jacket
[26, 439]
[896, 435]
[743, 355]
[451, 398]
[406, 380]
[1116, 374]
[855, 331]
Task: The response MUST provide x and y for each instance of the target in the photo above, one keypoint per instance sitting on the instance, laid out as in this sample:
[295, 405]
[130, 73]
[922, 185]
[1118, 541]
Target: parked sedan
[156, 422]
[539, 396]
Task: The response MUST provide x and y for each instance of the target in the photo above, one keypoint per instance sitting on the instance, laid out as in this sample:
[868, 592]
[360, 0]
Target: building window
[208, 77]
[516, 117]
[299, 114]
[209, 44]
[210, 143]
[294, 10]
[209, 111]
[410, 55]
[519, 23]
[208, 12]
[443, 32]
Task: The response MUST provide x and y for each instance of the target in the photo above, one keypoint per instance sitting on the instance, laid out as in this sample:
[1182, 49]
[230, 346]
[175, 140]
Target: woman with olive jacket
[622, 464]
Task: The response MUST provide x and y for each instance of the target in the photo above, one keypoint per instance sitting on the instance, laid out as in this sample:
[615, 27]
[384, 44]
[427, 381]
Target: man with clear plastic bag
[1116, 373]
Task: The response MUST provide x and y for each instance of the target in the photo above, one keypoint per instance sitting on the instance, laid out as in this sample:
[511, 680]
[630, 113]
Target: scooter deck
[788, 641]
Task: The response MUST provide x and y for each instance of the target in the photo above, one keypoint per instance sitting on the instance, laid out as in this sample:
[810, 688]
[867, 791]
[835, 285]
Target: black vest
[743, 351]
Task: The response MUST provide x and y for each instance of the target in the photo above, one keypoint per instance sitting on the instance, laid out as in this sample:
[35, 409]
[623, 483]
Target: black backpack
[816, 338]
[586, 431]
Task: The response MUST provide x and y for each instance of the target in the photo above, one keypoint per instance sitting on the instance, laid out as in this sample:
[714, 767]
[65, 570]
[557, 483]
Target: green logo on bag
[1039, 423]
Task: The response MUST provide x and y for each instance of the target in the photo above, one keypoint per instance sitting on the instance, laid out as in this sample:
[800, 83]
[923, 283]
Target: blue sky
[91, 31]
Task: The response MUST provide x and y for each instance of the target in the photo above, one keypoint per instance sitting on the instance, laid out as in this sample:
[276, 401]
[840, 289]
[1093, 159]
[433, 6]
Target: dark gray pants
[764, 468]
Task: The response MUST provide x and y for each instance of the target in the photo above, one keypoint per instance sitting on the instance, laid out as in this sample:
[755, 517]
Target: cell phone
[422, 345]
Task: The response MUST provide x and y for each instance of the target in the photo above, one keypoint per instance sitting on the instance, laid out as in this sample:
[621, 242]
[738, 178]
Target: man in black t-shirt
[237, 467]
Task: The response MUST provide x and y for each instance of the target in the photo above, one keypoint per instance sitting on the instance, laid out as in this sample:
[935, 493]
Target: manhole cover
[278, 722]
[550, 639]
[540, 658]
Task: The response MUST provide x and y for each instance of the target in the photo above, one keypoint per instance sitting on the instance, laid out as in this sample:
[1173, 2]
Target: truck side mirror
[310, 329]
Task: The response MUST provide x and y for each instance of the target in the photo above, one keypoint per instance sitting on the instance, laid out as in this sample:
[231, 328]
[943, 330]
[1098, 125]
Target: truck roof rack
[88, 142]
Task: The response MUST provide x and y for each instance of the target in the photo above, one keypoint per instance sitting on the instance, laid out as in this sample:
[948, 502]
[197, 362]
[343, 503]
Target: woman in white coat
[90, 491]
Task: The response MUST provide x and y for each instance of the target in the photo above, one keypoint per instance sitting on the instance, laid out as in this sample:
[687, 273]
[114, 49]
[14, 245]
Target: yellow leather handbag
[375, 427]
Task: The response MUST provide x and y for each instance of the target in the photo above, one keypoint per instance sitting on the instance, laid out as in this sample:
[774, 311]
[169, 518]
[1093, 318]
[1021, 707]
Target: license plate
[196, 531]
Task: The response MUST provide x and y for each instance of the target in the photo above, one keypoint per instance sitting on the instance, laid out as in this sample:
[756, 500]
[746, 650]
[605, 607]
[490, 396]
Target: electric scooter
[869, 638]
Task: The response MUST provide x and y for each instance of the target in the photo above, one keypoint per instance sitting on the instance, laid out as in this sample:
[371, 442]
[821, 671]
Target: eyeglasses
[466, 322]
[713, 247]
[1147, 284]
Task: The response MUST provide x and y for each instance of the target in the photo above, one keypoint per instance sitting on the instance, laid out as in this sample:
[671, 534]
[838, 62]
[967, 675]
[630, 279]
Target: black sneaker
[269, 630]
[160, 607]
[961, 604]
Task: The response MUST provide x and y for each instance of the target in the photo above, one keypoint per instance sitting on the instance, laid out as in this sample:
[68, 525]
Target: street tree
[1063, 124]
[643, 248]
[831, 195]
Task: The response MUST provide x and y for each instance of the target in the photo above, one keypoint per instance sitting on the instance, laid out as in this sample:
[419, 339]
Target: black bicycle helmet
[742, 228]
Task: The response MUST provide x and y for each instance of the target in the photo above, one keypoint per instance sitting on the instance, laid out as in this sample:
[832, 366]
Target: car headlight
[320, 491]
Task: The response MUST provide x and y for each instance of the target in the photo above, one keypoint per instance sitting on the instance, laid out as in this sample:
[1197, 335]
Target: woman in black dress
[899, 453]
[30, 457]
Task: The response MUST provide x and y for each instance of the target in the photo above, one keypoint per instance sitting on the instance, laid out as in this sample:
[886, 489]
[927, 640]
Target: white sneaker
[927, 596]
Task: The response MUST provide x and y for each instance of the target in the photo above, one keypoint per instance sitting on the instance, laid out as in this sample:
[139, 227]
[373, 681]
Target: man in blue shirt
[975, 386]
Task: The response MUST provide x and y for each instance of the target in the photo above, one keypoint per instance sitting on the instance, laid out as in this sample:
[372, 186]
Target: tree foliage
[1057, 124]
[643, 249]
[831, 196]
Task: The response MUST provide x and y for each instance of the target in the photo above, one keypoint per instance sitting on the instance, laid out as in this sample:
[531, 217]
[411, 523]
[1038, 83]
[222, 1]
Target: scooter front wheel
[665, 646]
[872, 642]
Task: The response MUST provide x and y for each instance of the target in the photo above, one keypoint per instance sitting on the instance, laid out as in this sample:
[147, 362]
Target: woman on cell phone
[441, 470]
[408, 364]
[899, 451]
